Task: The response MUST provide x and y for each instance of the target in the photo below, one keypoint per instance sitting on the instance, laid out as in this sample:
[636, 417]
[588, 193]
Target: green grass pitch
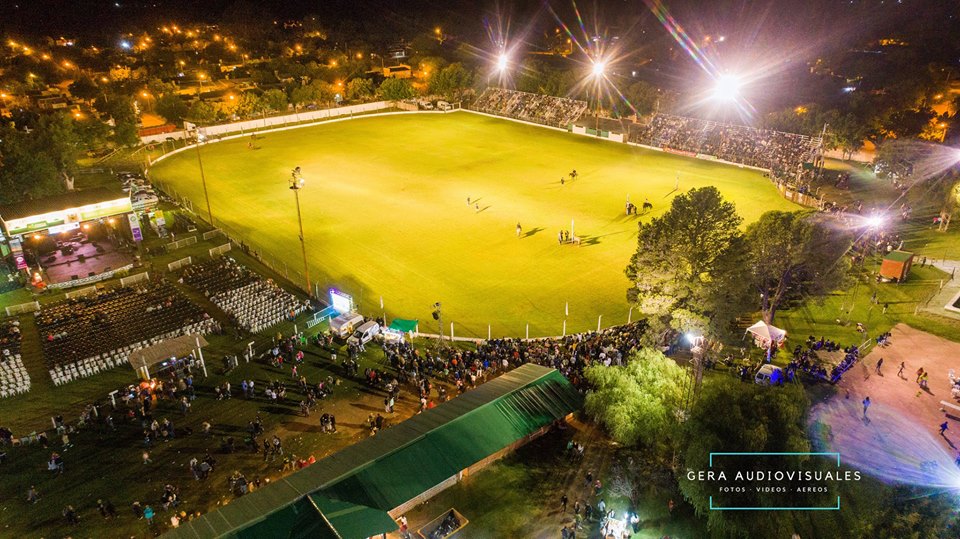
[385, 214]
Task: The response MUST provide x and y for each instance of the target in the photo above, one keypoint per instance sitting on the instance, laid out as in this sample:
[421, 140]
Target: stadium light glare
[599, 67]
[502, 62]
[727, 88]
[875, 221]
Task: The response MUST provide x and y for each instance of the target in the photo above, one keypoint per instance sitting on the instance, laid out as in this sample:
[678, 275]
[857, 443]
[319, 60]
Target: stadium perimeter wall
[271, 121]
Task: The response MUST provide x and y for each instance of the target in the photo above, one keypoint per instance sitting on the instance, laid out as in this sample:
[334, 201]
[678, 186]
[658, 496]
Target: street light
[296, 184]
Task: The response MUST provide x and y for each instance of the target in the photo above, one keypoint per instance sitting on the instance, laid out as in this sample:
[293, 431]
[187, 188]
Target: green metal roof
[899, 256]
[349, 520]
[384, 471]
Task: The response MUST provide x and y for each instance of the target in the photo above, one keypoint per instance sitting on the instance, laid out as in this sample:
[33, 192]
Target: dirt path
[597, 458]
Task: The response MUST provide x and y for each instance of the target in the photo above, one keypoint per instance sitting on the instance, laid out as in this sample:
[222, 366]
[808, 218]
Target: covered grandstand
[357, 492]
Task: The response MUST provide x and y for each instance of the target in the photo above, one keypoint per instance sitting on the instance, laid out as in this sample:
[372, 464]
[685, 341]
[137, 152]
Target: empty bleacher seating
[14, 379]
[252, 302]
[83, 336]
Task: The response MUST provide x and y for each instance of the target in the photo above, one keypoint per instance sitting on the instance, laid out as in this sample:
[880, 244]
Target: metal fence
[177, 264]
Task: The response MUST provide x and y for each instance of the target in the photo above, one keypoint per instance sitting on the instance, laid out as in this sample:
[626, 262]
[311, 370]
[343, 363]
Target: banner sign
[17, 249]
[135, 227]
[679, 152]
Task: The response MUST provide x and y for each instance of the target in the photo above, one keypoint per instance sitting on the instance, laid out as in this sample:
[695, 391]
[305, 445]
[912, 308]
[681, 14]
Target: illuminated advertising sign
[17, 249]
[135, 227]
[342, 303]
[89, 212]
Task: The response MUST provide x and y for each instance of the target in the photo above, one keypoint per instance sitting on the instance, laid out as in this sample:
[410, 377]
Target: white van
[343, 325]
[364, 334]
[769, 375]
[443, 105]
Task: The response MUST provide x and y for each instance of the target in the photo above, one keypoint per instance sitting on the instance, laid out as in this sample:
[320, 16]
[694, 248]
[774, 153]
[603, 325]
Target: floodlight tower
[726, 87]
[203, 178]
[503, 61]
[296, 184]
[599, 66]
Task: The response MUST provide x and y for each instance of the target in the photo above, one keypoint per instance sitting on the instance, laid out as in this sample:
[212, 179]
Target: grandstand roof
[357, 486]
[66, 201]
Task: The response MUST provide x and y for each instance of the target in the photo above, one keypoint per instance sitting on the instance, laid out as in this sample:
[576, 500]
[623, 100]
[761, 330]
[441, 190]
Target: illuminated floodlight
[598, 68]
[875, 221]
[502, 62]
[125, 45]
[727, 88]
[691, 337]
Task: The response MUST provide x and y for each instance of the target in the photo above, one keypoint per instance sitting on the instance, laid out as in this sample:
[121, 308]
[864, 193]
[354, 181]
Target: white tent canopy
[765, 332]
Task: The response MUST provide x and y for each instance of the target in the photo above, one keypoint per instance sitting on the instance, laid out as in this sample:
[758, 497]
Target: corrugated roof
[399, 463]
[348, 520]
[899, 256]
[66, 201]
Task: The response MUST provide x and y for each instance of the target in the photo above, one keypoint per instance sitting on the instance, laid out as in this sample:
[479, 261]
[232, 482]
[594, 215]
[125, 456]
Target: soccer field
[385, 214]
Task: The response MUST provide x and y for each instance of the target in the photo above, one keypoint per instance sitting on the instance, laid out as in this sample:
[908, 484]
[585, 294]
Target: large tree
[451, 81]
[201, 112]
[793, 255]
[172, 108]
[395, 89]
[359, 88]
[689, 261]
[638, 402]
[734, 417]
[275, 99]
[35, 164]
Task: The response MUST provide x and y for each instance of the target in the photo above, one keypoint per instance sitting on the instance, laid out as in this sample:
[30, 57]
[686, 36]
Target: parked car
[364, 334]
[770, 375]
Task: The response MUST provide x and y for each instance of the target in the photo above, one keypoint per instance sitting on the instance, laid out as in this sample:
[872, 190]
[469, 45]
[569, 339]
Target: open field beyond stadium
[385, 214]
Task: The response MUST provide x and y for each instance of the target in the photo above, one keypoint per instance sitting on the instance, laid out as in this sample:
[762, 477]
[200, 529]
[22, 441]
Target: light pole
[438, 316]
[598, 67]
[296, 184]
[203, 180]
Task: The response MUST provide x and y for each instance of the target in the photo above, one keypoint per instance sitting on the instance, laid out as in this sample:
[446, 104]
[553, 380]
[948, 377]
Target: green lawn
[385, 214]
[854, 305]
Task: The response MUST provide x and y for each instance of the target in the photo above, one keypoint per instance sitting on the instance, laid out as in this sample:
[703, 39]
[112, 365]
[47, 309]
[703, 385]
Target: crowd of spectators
[536, 108]
[85, 335]
[806, 359]
[252, 302]
[467, 368]
[14, 378]
[781, 153]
